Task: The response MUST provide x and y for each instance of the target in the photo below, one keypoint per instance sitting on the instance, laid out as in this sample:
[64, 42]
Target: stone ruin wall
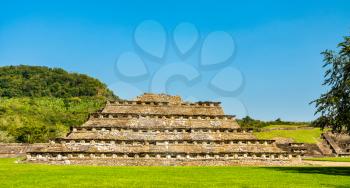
[160, 122]
[337, 143]
[161, 108]
[18, 149]
[150, 97]
[163, 130]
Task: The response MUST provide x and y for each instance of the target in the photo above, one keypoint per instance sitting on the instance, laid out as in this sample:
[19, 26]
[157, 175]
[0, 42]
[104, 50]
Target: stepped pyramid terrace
[159, 129]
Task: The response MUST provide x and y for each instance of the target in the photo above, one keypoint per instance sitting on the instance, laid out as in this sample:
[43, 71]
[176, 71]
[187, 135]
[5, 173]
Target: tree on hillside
[334, 105]
[36, 81]
[248, 122]
[41, 103]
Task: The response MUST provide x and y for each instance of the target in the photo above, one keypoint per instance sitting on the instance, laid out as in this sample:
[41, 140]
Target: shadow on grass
[341, 171]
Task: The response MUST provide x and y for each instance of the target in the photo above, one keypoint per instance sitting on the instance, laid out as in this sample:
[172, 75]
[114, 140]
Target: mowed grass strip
[287, 126]
[332, 159]
[299, 135]
[35, 175]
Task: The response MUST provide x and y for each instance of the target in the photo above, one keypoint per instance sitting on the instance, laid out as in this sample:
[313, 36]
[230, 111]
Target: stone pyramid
[159, 129]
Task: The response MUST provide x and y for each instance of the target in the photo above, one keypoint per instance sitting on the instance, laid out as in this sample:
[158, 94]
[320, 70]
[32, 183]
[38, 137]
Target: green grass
[333, 159]
[34, 175]
[300, 135]
[285, 126]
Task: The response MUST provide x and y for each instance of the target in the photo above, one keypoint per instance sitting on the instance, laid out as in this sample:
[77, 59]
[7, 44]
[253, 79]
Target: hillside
[35, 81]
[41, 103]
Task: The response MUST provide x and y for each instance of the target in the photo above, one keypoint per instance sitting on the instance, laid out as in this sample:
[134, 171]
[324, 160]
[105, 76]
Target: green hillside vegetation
[41, 103]
[258, 125]
[35, 81]
[32, 175]
[40, 119]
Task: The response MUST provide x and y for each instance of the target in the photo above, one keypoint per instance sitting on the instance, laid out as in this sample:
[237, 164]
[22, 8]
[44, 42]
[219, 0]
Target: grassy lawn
[300, 135]
[285, 126]
[34, 175]
[333, 159]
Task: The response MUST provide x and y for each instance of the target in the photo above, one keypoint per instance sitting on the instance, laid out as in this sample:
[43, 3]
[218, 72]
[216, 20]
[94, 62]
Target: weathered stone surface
[151, 97]
[163, 130]
[165, 109]
[174, 162]
[156, 123]
[164, 105]
[164, 148]
[17, 149]
[338, 143]
[159, 136]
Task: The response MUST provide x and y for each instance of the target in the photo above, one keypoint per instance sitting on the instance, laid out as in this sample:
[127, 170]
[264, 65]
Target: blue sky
[277, 46]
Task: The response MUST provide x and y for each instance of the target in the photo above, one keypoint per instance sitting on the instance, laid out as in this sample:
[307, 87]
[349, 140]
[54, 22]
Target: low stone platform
[18, 149]
[172, 162]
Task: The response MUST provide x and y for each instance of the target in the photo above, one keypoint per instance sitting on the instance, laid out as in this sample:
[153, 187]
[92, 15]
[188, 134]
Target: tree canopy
[334, 105]
[36, 81]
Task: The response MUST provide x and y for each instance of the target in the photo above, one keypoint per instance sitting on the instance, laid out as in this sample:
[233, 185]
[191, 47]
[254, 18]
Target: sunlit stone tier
[164, 105]
[163, 110]
[111, 142]
[123, 135]
[159, 121]
[71, 155]
[164, 148]
[115, 128]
